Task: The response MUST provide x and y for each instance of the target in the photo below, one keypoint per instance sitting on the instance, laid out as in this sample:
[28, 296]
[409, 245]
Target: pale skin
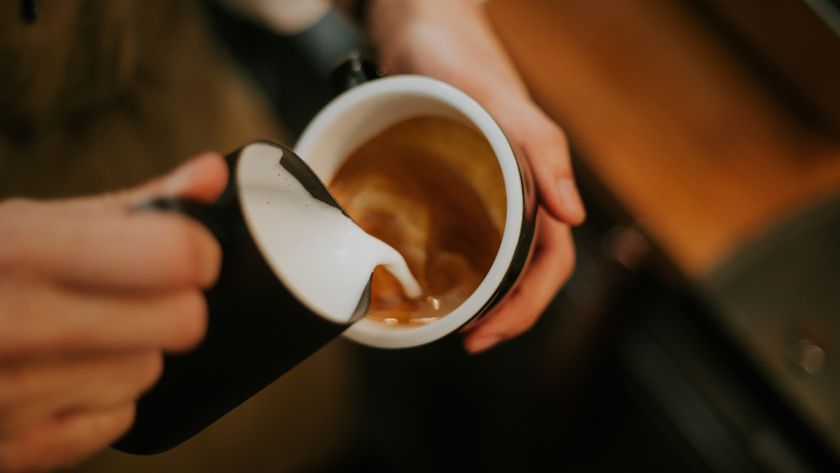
[92, 295]
[451, 40]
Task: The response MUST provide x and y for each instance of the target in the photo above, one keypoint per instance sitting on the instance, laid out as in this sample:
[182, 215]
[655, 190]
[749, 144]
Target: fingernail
[484, 343]
[179, 180]
[570, 198]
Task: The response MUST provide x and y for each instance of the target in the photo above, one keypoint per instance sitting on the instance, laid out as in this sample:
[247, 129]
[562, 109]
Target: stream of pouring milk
[321, 255]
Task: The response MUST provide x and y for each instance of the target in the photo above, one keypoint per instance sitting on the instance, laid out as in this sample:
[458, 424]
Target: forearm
[399, 29]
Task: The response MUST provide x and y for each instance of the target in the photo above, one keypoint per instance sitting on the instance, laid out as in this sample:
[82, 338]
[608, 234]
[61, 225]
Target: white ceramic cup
[367, 109]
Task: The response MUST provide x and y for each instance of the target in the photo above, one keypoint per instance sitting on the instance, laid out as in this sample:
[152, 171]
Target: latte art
[430, 188]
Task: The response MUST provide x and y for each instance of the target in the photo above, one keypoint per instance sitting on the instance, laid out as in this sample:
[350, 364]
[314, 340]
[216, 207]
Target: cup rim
[380, 335]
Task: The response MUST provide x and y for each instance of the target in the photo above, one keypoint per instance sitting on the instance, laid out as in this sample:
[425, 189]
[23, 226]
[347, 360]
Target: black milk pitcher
[257, 328]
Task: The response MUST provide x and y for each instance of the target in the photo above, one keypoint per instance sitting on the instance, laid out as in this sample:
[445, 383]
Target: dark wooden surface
[672, 122]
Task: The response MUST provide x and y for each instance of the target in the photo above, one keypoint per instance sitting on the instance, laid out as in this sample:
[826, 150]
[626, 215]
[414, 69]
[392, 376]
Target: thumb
[202, 177]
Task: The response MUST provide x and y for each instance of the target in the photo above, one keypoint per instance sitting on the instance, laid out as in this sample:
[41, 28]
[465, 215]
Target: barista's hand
[91, 295]
[452, 41]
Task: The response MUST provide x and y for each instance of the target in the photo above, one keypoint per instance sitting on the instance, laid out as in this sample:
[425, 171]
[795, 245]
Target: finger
[546, 149]
[151, 250]
[550, 267]
[38, 318]
[202, 178]
[33, 391]
[65, 440]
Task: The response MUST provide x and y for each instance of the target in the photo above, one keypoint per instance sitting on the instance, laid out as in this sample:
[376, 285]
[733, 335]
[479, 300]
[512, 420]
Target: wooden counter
[669, 119]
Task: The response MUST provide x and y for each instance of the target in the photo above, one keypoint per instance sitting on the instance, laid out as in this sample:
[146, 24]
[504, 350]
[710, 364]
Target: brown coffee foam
[431, 188]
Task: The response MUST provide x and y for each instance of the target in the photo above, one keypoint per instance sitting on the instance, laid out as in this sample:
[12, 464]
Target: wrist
[394, 26]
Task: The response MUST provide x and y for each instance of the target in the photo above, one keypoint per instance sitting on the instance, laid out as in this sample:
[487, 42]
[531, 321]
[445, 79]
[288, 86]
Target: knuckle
[519, 316]
[150, 368]
[123, 419]
[566, 267]
[552, 135]
[522, 324]
[179, 248]
[93, 424]
[548, 151]
[105, 426]
[192, 319]
[191, 250]
[98, 428]
[556, 247]
[561, 139]
[568, 258]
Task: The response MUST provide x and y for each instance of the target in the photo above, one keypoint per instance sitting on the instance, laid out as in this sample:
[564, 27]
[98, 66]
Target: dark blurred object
[331, 41]
[794, 44]
[780, 296]
[299, 73]
[290, 81]
[28, 11]
[354, 71]
[624, 371]
[701, 386]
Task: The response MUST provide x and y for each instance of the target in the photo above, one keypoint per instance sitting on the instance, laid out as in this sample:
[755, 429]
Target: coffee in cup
[431, 188]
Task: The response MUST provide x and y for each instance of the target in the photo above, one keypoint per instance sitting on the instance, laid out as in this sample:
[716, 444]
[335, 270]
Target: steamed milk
[322, 257]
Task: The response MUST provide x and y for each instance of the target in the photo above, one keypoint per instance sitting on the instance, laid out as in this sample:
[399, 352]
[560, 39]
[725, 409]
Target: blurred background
[701, 329]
